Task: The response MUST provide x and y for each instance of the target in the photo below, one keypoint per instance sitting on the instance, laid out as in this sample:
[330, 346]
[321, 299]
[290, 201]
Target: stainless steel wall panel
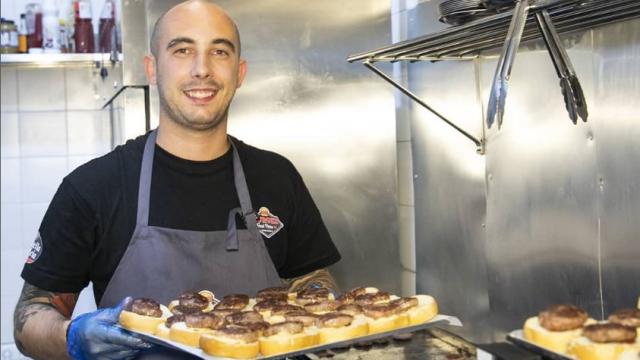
[542, 235]
[449, 187]
[617, 136]
[561, 199]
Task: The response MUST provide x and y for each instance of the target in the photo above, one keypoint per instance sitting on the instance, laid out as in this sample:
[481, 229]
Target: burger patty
[373, 298]
[350, 309]
[288, 327]
[377, 311]
[306, 318]
[240, 333]
[404, 304]
[265, 305]
[310, 295]
[335, 320]
[204, 320]
[609, 332]
[234, 301]
[562, 317]
[244, 317]
[182, 310]
[193, 300]
[173, 319]
[627, 317]
[146, 307]
[322, 306]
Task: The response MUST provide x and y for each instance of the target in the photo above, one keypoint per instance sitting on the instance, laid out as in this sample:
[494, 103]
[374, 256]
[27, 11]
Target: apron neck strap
[144, 187]
[243, 192]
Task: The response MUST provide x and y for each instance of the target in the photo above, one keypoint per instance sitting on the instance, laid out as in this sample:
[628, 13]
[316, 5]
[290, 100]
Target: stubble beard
[181, 118]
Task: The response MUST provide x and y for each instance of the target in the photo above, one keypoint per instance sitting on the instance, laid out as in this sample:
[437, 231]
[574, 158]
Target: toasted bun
[358, 327]
[553, 340]
[585, 349]
[426, 310]
[189, 336]
[223, 347]
[162, 331]
[140, 323]
[282, 343]
[387, 323]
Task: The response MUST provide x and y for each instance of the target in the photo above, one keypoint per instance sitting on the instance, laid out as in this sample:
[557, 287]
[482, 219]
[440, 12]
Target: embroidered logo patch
[36, 250]
[268, 224]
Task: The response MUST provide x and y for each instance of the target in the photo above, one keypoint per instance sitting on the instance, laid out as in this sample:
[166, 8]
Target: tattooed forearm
[39, 322]
[23, 313]
[320, 277]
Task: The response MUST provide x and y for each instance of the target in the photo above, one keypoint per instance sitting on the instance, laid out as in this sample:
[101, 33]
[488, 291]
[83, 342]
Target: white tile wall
[10, 181]
[41, 177]
[12, 263]
[86, 97]
[9, 89]
[43, 133]
[89, 132]
[41, 89]
[9, 133]
[49, 127]
[11, 229]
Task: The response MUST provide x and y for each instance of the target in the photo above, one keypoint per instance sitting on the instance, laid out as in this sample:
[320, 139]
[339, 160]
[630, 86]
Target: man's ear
[150, 69]
[242, 70]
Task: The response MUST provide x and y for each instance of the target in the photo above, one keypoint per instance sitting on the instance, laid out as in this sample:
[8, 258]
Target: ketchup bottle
[83, 28]
[107, 26]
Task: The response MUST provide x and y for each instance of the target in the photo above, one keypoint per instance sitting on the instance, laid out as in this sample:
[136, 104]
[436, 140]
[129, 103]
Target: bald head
[191, 5]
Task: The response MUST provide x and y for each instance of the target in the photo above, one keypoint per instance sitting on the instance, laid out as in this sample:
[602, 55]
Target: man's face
[197, 66]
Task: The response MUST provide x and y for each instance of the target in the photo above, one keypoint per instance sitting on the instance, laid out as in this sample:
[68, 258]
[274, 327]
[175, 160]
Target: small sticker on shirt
[36, 250]
[268, 224]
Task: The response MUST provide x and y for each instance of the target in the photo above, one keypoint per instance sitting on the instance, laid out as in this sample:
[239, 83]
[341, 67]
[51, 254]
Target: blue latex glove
[95, 336]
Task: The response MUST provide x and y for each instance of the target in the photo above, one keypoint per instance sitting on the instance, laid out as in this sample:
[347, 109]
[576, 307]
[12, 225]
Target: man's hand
[94, 335]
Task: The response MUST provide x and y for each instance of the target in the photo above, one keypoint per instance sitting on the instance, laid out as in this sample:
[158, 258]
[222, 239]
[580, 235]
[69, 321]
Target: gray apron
[161, 263]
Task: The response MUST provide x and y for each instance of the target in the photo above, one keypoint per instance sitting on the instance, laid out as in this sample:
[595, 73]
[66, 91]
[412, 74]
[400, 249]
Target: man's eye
[220, 52]
[182, 51]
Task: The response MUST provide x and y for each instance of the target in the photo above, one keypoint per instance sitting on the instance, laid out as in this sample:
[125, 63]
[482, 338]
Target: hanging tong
[569, 84]
[498, 94]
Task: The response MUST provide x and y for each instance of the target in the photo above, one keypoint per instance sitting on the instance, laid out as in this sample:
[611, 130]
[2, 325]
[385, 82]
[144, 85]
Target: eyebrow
[187, 40]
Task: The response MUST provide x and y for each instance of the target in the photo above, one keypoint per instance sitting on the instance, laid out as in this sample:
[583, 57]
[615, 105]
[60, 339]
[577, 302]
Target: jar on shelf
[9, 37]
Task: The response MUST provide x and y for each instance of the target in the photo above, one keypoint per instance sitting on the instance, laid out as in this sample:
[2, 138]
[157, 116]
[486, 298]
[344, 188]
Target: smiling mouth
[200, 94]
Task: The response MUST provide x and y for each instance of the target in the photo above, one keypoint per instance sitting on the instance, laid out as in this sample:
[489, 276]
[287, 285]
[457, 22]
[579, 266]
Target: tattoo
[34, 300]
[321, 277]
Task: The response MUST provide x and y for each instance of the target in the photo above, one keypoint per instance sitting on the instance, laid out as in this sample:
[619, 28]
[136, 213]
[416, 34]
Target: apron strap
[242, 189]
[144, 187]
[231, 239]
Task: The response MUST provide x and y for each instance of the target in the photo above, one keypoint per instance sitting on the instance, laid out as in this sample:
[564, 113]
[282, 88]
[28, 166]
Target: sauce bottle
[34, 26]
[83, 28]
[107, 26]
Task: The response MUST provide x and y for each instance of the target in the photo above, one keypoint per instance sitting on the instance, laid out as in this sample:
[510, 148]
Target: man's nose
[201, 68]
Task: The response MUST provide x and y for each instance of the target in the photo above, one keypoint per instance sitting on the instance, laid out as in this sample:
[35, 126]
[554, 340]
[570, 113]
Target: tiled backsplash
[51, 123]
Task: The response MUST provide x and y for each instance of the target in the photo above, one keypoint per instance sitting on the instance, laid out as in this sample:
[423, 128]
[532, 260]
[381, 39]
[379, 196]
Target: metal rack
[467, 41]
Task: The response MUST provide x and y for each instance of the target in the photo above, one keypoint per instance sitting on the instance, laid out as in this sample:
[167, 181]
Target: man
[184, 207]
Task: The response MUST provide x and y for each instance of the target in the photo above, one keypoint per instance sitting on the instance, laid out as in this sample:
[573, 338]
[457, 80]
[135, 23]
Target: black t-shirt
[91, 218]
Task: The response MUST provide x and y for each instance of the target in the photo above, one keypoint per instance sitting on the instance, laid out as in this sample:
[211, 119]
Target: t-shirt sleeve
[309, 245]
[61, 255]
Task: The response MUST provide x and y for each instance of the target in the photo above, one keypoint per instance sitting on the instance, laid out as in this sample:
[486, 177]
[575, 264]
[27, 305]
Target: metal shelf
[467, 41]
[54, 59]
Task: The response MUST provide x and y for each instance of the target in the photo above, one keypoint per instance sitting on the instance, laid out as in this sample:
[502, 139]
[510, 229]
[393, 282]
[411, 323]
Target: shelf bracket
[480, 144]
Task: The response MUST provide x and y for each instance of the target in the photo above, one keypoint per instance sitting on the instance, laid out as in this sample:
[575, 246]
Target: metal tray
[438, 320]
[517, 337]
